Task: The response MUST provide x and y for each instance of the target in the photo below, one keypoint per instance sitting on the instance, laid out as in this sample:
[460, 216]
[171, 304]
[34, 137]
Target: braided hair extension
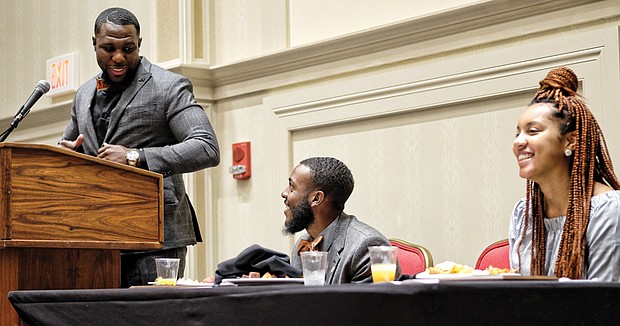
[590, 163]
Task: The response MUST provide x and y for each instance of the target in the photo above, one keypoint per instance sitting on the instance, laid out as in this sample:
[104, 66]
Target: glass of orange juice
[383, 263]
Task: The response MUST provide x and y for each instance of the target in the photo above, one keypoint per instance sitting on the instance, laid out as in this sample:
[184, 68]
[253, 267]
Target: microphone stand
[16, 120]
[42, 87]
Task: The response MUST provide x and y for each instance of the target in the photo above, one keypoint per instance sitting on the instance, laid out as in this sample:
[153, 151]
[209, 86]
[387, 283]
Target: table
[443, 303]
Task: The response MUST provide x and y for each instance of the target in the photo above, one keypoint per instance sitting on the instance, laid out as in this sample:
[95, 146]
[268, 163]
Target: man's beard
[301, 217]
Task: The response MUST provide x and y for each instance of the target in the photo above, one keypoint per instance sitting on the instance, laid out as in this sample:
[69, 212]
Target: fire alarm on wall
[241, 161]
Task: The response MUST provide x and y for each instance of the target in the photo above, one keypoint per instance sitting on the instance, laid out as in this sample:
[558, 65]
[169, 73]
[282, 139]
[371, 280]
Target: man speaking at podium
[139, 114]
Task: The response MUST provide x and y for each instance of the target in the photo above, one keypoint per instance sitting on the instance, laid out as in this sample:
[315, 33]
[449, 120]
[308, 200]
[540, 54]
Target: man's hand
[208, 279]
[114, 153]
[71, 145]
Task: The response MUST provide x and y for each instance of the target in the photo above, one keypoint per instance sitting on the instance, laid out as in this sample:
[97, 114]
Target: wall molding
[374, 47]
[395, 35]
[466, 79]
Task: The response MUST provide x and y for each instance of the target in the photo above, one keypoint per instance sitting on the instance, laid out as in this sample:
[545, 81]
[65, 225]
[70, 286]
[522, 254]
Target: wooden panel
[54, 269]
[51, 200]
[9, 263]
[57, 269]
[63, 244]
[68, 199]
[5, 195]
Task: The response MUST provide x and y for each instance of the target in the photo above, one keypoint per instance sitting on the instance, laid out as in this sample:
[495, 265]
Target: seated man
[317, 191]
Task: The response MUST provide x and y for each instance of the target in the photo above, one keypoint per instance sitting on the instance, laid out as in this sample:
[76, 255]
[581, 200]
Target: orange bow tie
[101, 84]
[306, 245]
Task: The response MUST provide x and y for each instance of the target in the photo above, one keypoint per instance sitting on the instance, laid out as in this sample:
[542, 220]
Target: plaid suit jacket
[157, 113]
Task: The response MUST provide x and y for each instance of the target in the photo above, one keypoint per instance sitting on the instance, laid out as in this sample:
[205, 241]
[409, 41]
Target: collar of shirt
[105, 85]
[328, 235]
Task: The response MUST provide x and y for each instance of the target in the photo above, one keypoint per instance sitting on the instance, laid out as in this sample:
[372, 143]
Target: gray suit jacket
[348, 260]
[157, 113]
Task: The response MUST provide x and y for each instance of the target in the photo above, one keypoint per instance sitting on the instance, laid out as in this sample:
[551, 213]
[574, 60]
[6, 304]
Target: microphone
[42, 87]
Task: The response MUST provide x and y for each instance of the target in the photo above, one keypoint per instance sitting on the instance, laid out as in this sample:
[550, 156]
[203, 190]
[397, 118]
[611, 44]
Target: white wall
[316, 20]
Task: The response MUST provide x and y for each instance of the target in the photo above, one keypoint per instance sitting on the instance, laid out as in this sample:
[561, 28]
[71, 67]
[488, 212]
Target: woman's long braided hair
[590, 163]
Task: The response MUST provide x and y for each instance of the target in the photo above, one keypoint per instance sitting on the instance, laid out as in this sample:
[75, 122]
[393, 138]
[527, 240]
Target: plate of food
[454, 271]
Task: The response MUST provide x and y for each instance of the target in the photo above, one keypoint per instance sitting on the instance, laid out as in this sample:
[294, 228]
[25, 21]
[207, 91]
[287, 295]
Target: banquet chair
[495, 254]
[413, 258]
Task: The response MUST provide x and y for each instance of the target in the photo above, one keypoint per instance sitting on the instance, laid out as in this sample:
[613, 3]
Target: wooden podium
[66, 216]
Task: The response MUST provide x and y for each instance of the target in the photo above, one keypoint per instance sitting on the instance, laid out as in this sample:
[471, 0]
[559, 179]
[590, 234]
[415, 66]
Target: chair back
[496, 254]
[413, 258]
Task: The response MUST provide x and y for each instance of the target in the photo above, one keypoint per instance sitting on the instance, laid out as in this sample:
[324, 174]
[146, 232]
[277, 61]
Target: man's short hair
[332, 177]
[116, 16]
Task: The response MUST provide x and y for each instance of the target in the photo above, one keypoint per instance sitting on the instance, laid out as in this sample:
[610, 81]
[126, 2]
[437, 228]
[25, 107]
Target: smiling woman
[568, 223]
[539, 144]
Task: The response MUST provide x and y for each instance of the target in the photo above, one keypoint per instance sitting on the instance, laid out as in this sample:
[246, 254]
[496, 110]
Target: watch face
[133, 155]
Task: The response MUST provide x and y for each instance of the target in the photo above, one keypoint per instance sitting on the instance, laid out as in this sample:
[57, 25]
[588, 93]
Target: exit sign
[62, 74]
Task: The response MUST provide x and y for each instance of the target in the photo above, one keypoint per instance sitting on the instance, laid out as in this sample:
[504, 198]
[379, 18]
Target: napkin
[256, 258]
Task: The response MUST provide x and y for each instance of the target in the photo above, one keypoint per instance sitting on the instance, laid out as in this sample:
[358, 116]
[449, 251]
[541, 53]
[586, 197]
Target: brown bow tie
[306, 245]
[101, 84]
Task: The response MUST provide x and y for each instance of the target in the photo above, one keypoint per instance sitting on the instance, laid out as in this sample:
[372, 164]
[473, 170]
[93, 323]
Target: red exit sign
[61, 72]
